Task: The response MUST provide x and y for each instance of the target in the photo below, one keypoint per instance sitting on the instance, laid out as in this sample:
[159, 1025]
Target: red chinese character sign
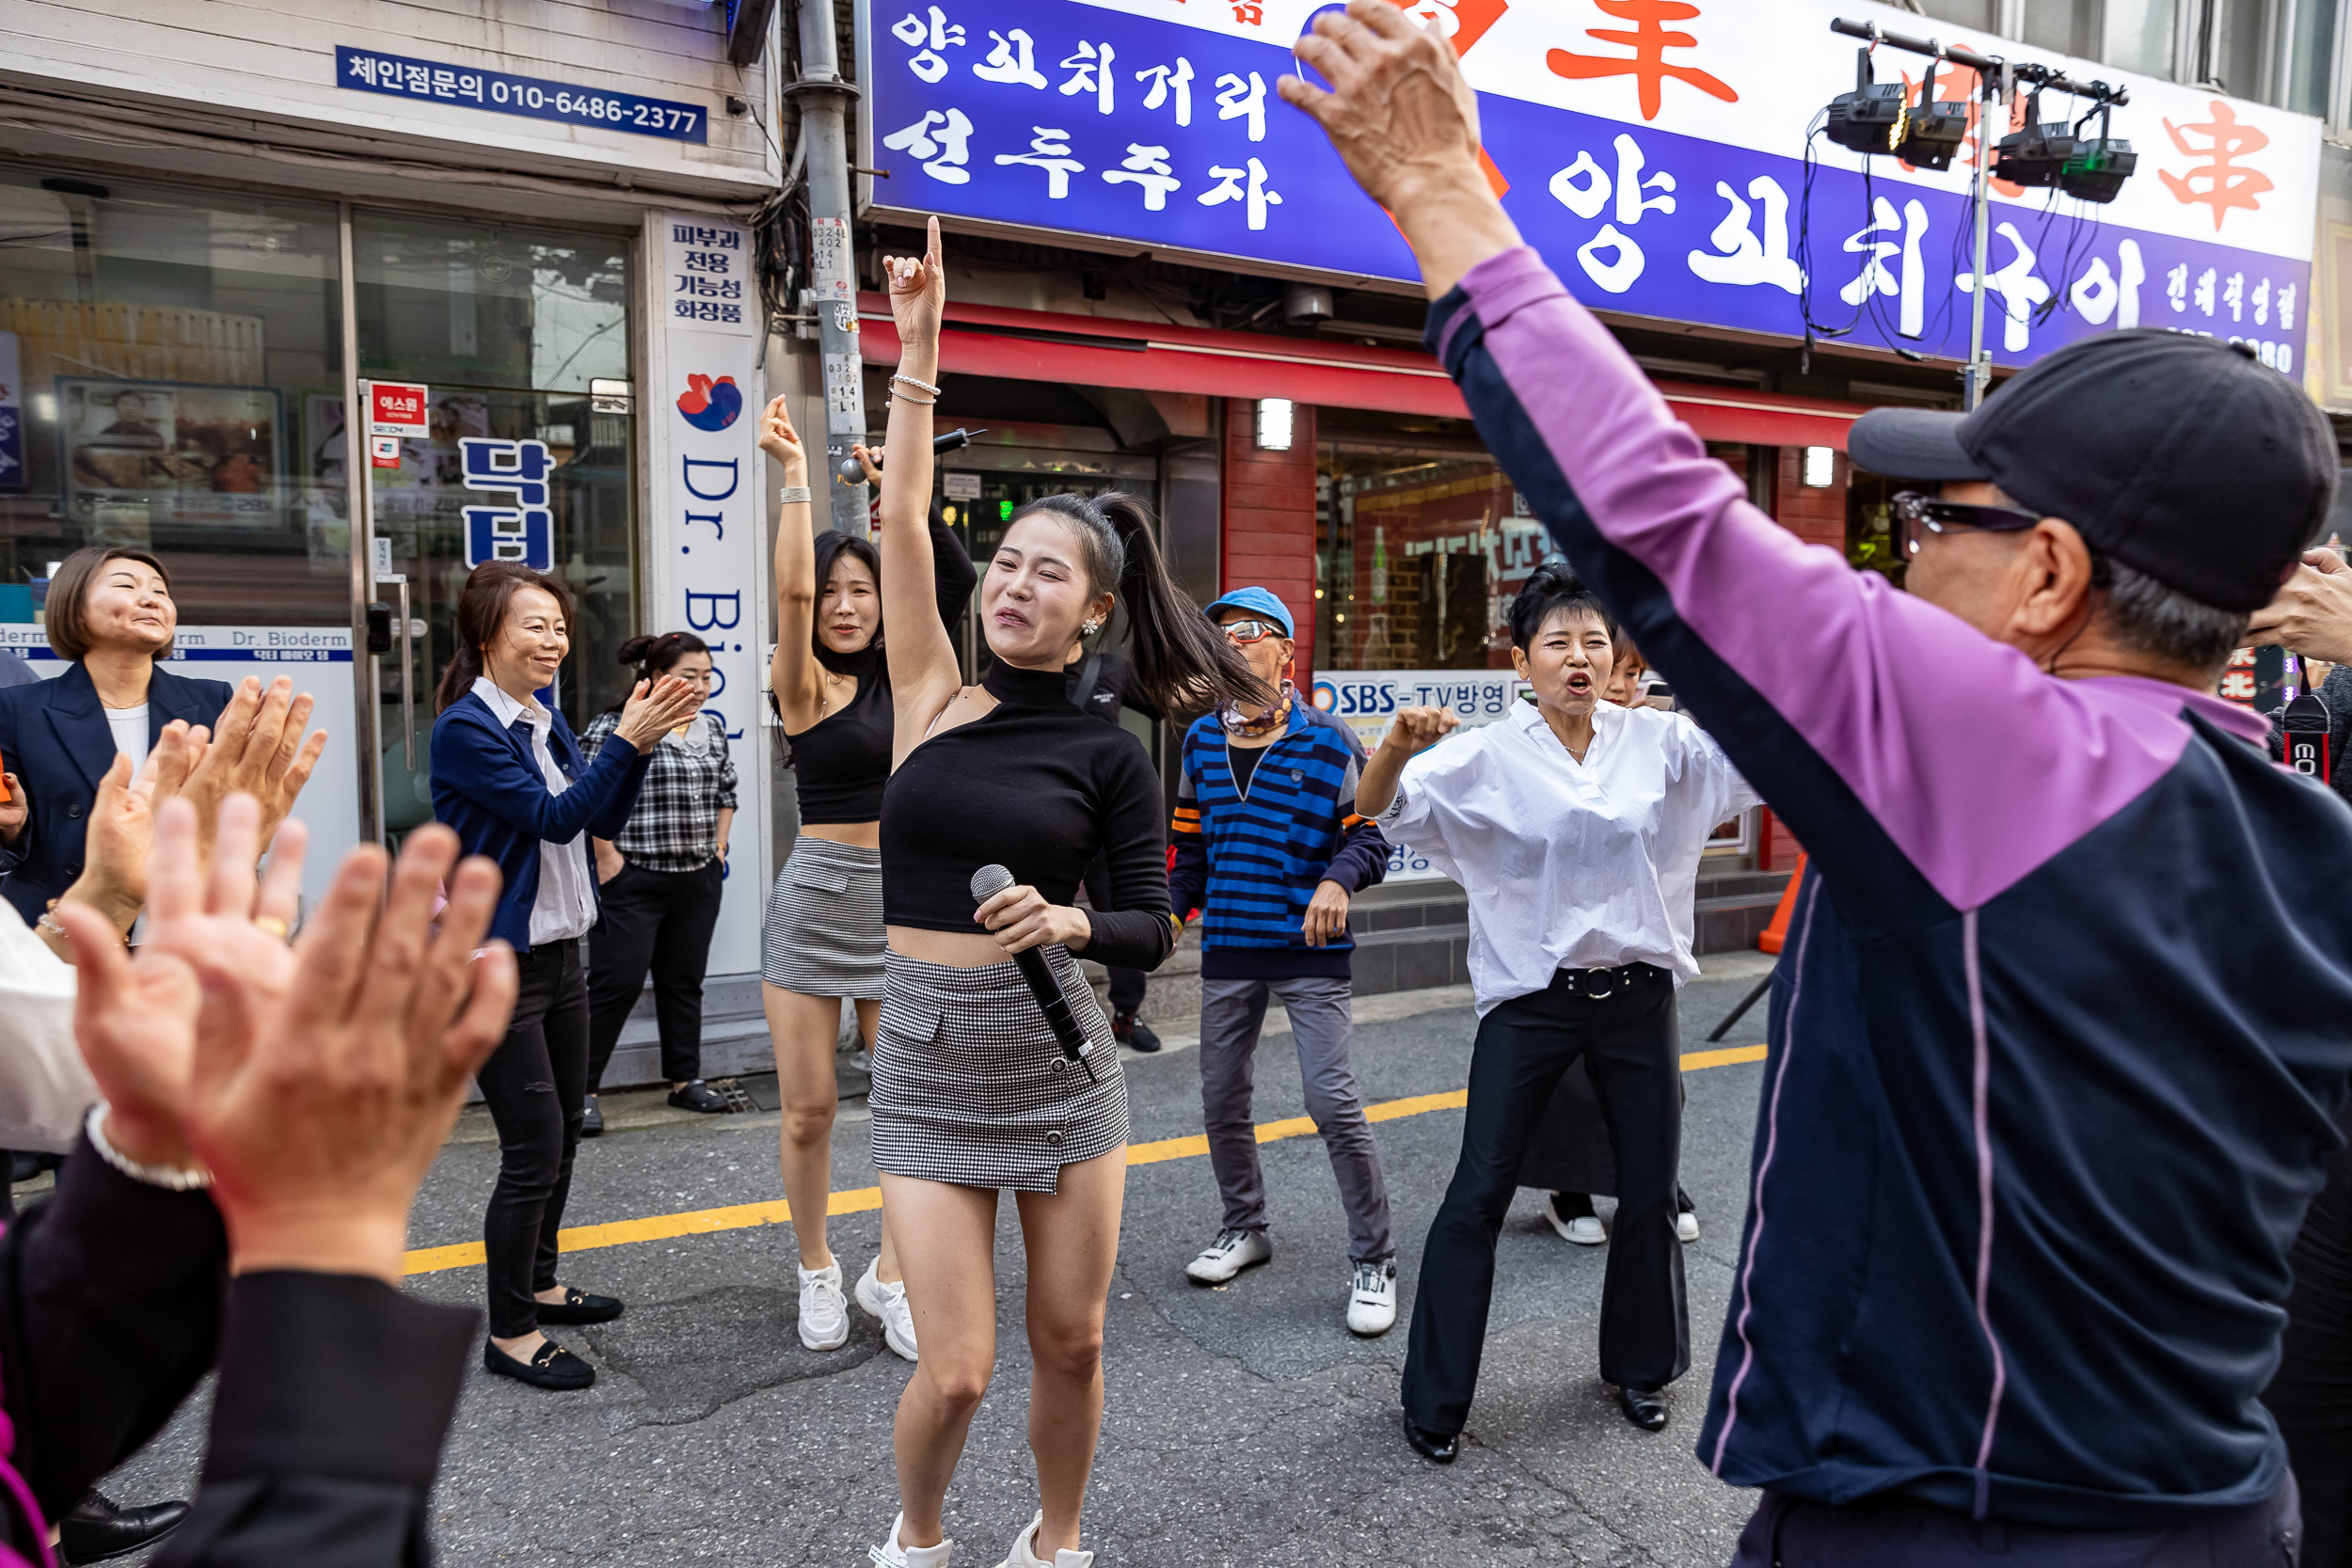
[1654, 151]
[2219, 179]
[1648, 42]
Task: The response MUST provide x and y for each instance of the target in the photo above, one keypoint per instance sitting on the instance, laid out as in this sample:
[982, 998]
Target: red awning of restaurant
[1150, 356]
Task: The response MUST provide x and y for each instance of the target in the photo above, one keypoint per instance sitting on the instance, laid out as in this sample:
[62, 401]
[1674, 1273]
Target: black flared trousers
[1630, 1044]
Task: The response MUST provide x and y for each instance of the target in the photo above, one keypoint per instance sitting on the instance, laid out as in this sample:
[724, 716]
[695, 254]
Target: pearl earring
[1092, 627]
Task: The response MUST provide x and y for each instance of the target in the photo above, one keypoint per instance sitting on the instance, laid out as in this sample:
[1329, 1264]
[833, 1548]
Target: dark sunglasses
[1918, 516]
[1250, 631]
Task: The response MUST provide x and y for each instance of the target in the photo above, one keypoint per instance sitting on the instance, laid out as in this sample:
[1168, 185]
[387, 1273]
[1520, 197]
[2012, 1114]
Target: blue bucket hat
[1258, 601]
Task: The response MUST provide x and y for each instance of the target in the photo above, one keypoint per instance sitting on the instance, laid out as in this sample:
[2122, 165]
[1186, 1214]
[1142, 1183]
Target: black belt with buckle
[1593, 985]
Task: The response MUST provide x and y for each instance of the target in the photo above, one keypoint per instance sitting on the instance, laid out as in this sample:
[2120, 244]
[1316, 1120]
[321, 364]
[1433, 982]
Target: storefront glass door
[508, 327]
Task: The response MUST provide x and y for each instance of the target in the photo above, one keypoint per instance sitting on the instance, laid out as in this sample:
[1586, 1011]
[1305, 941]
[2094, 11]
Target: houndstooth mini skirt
[970, 1086]
[824, 934]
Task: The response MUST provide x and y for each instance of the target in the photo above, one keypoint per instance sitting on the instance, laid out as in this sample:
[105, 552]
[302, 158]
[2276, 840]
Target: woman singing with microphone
[971, 1093]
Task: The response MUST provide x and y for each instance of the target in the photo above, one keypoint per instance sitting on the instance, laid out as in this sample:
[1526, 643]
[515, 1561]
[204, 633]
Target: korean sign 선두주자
[1653, 150]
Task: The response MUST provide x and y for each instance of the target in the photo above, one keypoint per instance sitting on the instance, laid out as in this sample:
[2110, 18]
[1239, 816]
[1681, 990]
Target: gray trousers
[1322, 1024]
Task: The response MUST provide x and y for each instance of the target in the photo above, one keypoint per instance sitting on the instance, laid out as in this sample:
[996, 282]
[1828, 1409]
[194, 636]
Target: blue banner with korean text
[1663, 193]
[533, 97]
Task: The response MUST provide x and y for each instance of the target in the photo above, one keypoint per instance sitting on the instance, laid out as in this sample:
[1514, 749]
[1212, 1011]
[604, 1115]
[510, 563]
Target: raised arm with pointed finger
[922, 660]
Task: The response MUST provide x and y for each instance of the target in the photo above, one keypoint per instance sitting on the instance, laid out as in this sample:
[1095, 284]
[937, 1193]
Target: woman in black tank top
[822, 941]
[971, 1093]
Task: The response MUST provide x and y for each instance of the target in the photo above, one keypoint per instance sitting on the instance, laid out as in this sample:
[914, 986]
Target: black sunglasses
[1916, 515]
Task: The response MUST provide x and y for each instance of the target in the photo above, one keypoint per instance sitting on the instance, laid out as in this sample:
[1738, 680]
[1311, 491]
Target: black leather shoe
[699, 1095]
[98, 1528]
[1430, 1446]
[1645, 1407]
[577, 1306]
[592, 1121]
[1136, 1035]
[554, 1368]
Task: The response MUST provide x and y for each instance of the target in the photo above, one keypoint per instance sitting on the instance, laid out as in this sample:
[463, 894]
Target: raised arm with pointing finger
[2066, 968]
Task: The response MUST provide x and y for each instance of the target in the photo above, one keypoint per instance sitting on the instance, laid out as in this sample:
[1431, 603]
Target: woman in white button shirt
[509, 778]
[1576, 827]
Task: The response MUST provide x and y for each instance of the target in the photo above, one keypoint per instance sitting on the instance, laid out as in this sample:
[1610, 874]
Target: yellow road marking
[742, 1217]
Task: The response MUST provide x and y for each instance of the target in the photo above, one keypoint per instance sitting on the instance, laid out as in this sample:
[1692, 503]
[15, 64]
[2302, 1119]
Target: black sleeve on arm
[1134, 932]
[111, 1312]
[336, 1393]
[952, 570]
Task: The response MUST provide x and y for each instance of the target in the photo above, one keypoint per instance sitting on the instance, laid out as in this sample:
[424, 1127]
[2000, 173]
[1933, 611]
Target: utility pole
[1994, 88]
[824, 97]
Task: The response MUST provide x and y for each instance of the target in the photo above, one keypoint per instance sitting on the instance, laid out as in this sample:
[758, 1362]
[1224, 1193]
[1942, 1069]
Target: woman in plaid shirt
[658, 882]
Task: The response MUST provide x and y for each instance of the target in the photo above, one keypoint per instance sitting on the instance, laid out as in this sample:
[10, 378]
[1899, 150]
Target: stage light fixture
[1877, 118]
[2034, 156]
[2097, 170]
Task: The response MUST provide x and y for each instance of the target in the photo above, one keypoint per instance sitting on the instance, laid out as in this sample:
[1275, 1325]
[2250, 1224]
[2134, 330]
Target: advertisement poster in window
[138, 454]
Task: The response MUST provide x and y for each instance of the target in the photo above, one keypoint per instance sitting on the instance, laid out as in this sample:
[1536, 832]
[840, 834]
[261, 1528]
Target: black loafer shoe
[1645, 1407]
[98, 1528]
[700, 1097]
[1430, 1446]
[591, 1120]
[554, 1368]
[577, 1306]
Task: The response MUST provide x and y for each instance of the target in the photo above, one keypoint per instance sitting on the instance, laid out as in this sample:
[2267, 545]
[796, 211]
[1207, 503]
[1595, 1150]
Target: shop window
[507, 326]
[1870, 523]
[170, 378]
[1418, 555]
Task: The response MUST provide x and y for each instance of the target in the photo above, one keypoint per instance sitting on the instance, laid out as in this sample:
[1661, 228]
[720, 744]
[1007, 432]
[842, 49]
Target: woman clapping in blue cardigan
[508, 776]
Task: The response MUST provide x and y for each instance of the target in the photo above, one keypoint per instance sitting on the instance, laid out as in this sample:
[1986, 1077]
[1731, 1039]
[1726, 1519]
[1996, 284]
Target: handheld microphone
[852, 472]
[987, 882]
[2305, 726]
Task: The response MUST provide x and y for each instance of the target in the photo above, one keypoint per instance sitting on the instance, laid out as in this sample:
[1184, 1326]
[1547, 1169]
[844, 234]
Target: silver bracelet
[171, 1179]
[919, 403]
[793, 495]
[918, 386]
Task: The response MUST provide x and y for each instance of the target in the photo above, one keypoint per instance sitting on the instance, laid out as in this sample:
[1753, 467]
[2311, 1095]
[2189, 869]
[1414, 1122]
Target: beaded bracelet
[918, 386]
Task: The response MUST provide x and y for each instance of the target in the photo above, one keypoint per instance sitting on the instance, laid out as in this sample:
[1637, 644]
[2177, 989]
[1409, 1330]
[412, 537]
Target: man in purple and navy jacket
[2061, 1024]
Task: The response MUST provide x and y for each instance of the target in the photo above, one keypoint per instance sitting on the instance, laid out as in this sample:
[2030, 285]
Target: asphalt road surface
[1246, 1427]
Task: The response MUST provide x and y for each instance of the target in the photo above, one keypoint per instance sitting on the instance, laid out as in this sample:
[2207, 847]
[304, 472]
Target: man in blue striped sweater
[1269, 848]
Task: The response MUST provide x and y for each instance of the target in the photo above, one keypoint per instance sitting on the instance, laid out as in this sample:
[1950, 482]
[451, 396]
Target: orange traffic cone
[1776, 929]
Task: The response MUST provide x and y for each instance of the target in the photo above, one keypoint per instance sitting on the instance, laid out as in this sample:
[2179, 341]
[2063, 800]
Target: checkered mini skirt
[970, 1086]
[824, 934]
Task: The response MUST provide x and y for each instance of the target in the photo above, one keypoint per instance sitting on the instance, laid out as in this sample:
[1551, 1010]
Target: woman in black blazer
[110, 611]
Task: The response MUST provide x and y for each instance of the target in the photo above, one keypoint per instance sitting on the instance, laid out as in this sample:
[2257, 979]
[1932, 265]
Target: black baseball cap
[2182, 456]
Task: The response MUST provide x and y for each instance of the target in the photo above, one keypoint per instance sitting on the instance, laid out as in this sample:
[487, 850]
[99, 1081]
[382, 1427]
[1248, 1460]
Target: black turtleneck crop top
[841, 762]
[1040, 787]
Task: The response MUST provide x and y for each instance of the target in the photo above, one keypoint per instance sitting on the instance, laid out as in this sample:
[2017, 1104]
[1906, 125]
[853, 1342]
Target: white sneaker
[1022, 1557]
[1371, 1300]
[1584, 1229]
[891, 1555]
[1686, 1226]
[824, 1315]
[889, 1303]
[1232, 1252]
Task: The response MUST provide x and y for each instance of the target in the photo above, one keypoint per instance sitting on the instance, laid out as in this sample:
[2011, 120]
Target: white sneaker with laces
[824, 1314]
[889, 1303]
[1686, 1226]
[1371, 1299]
[1232, 1252]
[1583, 1230]
[891, 1555]
[1022, 1557]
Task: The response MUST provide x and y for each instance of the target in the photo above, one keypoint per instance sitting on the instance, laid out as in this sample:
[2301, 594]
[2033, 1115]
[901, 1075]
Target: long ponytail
[1182, 663]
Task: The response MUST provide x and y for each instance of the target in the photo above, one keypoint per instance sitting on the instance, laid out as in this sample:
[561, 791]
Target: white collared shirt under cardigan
[565, 908]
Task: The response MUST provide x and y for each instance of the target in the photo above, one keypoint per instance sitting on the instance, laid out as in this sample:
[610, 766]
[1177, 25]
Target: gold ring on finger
[271, 923]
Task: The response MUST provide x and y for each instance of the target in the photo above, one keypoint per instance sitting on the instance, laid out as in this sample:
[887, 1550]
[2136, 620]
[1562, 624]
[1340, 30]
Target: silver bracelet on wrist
[919, 403]
[171, 1179]
[793, 495]
[918, 386]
